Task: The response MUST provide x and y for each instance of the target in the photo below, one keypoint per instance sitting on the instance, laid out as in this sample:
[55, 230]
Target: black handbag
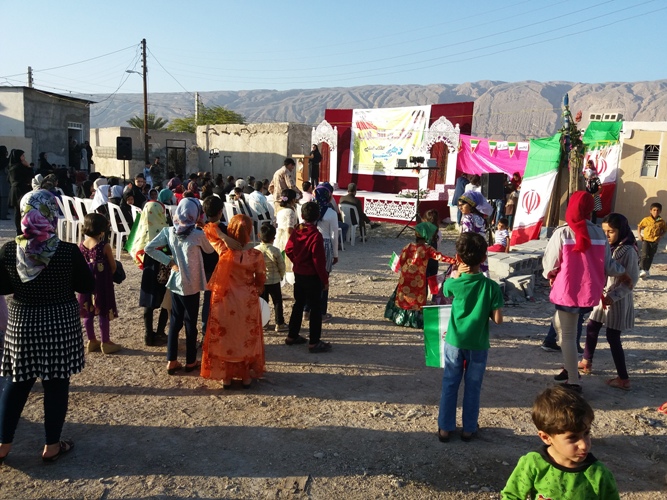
[119, 276]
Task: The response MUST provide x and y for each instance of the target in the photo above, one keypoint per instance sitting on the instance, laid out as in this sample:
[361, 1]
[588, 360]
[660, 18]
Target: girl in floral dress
[405, 305]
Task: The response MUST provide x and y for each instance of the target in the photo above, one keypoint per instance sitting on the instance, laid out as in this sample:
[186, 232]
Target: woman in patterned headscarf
[43, 273]
[234, 342]
[185, 244]
[151, 221]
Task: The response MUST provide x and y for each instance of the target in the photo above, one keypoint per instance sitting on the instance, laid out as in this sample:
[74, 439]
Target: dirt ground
[358, 422]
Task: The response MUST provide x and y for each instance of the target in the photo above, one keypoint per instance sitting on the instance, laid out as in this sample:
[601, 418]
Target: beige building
[256, 149]
[177, 150]
[642, 175]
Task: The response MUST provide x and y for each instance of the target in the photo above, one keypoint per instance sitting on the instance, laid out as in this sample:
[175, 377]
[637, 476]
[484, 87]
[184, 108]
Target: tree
[216, 115]
[154, 122]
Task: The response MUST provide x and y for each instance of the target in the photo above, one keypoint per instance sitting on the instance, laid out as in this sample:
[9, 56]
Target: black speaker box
[493, 186]
[123, 148]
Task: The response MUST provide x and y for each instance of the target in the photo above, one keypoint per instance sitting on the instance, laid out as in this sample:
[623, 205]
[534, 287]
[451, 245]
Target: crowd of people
[56, 285]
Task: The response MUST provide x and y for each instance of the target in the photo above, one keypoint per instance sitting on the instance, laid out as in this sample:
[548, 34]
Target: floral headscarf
[151, 222]
[323, 197]
[187, 214]
[38, 243]
[240, 228]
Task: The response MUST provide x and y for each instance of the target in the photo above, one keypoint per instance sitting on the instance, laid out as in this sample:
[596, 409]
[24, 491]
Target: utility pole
[30, 77]
[196, 109]
[143, 51]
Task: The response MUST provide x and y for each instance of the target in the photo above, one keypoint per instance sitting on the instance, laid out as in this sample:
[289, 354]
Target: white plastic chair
[229, 211]
[87, 205]
[136, 212]
[171, 211]
[117, 233]
[272, 212]
[81, 212]
[61, 227]
[74, 224]
[348, 212]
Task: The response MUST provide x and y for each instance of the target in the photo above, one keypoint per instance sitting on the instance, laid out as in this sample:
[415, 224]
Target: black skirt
[152, 292]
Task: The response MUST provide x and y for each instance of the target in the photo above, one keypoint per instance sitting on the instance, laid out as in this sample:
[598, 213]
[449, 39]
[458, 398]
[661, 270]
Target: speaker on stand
[124, 151]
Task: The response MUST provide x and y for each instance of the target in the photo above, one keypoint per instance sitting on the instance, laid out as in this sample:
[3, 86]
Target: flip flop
[175, 369]
[663, 408]
[66, 446]
[191, 368]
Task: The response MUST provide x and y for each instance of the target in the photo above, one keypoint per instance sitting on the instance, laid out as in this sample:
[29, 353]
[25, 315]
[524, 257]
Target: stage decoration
[327, 136]
[441, 130]
[536, 188]
[380, 137]
[482, 161]
[511, 147]
[492, 147]
[601, 141]
[503, 146]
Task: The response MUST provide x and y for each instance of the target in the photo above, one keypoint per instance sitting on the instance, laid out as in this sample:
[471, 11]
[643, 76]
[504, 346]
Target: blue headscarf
[322, 197]
[187, 214]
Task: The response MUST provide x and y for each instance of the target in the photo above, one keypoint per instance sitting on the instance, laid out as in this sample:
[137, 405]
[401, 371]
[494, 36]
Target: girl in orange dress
[405, 305]
[234, 343]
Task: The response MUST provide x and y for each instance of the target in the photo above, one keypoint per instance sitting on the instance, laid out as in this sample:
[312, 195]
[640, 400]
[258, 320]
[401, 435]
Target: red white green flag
[536, 188]
[436, 320]
[394, 263]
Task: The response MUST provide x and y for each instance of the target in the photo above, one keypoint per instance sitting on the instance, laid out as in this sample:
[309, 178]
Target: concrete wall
[256, 149]
[635, 193]
[18, 143]
[103, 142]
[46, 123]
[11, 112]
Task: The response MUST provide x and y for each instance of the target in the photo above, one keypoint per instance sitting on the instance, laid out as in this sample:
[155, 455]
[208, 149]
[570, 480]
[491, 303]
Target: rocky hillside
[502, 110]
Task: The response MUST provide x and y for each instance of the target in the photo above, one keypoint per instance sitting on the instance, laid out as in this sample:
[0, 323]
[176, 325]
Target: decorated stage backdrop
[478, 155]
[382, 136]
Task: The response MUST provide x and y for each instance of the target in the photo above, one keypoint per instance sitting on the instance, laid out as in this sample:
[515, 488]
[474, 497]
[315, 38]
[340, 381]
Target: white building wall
[12, 112]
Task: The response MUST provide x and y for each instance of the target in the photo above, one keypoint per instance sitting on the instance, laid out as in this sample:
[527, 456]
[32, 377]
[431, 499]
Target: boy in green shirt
[476, 299]
[563, 468]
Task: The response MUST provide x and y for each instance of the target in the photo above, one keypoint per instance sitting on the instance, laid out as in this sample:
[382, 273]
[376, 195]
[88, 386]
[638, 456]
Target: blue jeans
[551, 337]
[473, 373]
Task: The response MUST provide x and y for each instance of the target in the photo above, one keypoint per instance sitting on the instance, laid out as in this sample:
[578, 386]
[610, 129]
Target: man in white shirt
[258, 203]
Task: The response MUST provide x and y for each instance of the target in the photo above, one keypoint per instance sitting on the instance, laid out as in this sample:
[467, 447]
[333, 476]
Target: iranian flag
[536, 188]
[394, 263]
[436, 320]
[604, 150]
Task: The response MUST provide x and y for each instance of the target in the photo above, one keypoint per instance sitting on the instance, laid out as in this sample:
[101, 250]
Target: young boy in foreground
[563, 468]
[476, 299]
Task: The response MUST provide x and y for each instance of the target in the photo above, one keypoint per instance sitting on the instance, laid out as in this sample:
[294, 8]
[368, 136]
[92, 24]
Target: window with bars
[650, 162]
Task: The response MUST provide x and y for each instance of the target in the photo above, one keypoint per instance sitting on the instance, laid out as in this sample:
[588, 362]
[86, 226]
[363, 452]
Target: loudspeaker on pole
[493, 186]
[123, 148]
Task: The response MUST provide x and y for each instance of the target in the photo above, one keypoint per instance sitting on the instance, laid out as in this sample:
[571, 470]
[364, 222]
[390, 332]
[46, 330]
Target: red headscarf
[579, 210]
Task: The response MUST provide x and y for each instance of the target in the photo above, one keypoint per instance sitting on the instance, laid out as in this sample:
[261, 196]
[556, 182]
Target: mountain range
[503, 110]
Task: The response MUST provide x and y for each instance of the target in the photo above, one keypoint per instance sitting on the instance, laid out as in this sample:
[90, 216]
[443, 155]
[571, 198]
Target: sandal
[619, 383]
[191, 368]
[320, 347]
[585, 366]
[177, 368]
[663, 408]
[443, 436]
[466, 437]
[295, 340]
[65, 447]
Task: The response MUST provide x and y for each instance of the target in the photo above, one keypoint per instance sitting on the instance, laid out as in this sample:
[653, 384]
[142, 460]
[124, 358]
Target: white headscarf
[101, 197]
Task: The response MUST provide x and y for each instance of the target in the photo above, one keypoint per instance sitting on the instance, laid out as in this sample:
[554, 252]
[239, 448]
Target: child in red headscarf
[576, 262]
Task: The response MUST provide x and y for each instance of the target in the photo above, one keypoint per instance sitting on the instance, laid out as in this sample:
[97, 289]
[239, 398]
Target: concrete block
[523, 285]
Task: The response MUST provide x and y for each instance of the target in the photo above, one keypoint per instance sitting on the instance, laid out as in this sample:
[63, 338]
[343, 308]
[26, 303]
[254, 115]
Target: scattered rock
[318, 454]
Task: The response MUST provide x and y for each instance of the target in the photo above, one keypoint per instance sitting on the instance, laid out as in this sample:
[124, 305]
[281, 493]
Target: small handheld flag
[394, 263]
[436, 320]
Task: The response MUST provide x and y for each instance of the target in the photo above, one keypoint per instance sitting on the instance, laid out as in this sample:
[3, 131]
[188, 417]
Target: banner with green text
[380, 137]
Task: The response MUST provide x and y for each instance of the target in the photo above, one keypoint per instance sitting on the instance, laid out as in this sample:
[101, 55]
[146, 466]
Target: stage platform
[393, 208]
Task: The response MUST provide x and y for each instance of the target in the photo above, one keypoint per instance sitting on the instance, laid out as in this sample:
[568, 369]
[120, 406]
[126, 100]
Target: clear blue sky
[267, 44]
